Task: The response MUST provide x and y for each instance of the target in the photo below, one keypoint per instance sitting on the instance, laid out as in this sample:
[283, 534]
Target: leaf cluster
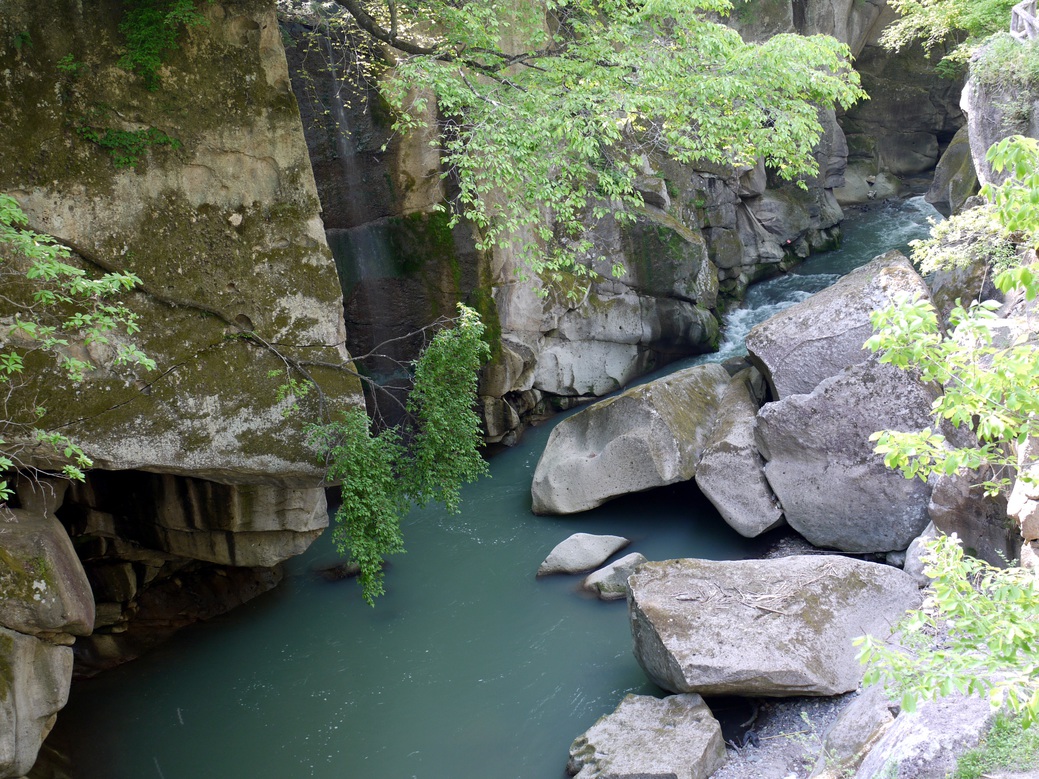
[991, 387]
[49, 303]
[427, 460]
[977, 633]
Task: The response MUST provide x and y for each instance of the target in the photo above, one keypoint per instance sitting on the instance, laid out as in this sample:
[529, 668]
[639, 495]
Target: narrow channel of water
[468, 668]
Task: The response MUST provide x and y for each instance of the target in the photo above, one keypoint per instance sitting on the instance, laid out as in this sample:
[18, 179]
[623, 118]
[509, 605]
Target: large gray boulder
[834, 489]
[822, 335]
[762, 627]
[651, 738]
[581, 552]
[34, 685]
[648, 436]
[927, 743]
[730, 471]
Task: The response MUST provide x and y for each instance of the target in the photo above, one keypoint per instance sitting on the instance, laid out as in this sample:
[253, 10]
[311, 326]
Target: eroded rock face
[911, 116]
[853, 733]
[762, 627]
[227, 524]
[822, 335]
[223, 231]
[959, 506]
[995, 112]
[34, 685]
[955, 178]
[730, 473]
[646, 737]
[835, 491]
[45, 601]
[648, 436]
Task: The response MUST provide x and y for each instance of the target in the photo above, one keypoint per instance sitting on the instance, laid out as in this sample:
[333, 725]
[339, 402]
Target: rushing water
[468, 668]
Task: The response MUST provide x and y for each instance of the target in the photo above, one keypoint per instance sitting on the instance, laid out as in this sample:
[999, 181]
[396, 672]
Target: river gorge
[468, 667]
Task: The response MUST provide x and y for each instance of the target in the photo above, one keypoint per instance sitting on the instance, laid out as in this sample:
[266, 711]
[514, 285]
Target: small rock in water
[581, 552]
[611, 582]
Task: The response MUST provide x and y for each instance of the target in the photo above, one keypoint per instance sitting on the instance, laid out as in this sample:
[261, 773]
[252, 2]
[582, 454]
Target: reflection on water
[468, 668]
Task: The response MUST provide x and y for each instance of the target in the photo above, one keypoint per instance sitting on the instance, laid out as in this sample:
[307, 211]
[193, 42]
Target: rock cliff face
[217, 213]
[224, 231]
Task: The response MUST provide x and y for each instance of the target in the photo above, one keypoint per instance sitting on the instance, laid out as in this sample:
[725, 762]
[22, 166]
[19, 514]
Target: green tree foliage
[548, 110]
[427, 459]
[53, 307]
[958, 25]
[978, 631]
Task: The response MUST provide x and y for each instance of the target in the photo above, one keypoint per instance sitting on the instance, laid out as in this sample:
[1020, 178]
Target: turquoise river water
[468, 668]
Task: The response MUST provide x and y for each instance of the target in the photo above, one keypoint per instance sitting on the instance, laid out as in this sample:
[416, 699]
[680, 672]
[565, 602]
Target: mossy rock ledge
[223, 230]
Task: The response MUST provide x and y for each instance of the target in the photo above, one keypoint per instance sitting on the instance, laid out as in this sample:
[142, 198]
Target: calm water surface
[468, 668]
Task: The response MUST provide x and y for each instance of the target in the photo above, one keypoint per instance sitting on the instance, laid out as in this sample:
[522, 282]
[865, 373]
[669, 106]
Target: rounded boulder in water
[581, 552]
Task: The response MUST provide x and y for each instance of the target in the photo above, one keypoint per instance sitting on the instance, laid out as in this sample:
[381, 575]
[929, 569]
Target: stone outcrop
[955, 178]
[671, 738]
[581, 552]
[221, 223]
[762, 627]
[649, 436]
[927, 743]
[45, 602]
[43, 589]
[959, 506]
[226, 524]
[730, 472]
[996, 111]
[822, 335]
[611, 582]
[820, 463]
[911, 117]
